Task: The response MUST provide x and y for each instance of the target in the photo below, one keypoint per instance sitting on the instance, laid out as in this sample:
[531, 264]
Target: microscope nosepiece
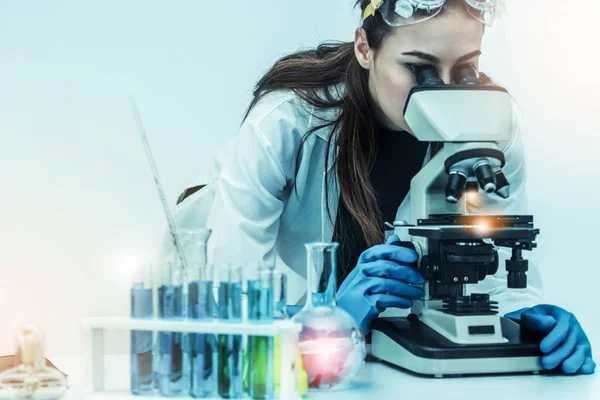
[485, 176]
[455, 186]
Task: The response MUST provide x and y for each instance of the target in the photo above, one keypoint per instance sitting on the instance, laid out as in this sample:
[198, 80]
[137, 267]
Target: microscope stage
[466, 232]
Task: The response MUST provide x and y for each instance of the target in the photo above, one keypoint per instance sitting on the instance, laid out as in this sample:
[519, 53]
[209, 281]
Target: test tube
[261, 308]
[141, 341]
[279, 313]
[173, 366]
[231, 377]
[201, 307]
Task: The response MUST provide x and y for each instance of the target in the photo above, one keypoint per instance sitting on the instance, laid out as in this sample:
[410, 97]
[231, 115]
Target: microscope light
[482, 227]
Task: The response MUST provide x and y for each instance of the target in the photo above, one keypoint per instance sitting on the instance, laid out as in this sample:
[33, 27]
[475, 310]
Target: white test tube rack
[287, 331]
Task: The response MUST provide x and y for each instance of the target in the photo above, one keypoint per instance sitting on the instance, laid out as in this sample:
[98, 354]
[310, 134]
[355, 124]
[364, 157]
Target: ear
[362, 51]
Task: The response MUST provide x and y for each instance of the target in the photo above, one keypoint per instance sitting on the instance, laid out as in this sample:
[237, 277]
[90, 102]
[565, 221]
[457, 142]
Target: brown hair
[312, 75]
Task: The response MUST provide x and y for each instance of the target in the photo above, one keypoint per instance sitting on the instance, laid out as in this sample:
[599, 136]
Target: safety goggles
[407, 12]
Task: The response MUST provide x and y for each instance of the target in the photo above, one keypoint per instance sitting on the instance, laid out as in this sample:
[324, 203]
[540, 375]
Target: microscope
[450, 332]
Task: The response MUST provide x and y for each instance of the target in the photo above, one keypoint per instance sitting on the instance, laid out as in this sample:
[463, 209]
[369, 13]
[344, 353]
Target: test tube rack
[95, 329]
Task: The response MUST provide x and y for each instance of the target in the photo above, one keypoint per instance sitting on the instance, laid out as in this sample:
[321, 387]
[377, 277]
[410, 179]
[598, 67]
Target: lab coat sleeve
[248, 204]
[496, 285]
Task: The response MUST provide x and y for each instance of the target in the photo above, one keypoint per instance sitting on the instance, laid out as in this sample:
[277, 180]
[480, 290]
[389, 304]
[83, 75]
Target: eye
[413, 67]
[465, 65]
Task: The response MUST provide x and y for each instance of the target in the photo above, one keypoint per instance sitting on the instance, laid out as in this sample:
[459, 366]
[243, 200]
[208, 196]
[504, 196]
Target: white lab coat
[256, 216]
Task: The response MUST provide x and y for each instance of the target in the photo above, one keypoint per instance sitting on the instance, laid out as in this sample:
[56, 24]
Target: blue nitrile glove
[380, 279]
[564, 344]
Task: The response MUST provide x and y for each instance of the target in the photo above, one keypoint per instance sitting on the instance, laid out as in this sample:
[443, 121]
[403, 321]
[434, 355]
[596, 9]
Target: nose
[445, 75]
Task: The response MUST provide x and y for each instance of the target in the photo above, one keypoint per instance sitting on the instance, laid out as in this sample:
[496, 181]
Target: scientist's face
[447, 41]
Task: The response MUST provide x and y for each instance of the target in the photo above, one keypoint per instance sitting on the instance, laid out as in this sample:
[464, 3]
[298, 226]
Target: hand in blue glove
[380, 279]
[564, 344]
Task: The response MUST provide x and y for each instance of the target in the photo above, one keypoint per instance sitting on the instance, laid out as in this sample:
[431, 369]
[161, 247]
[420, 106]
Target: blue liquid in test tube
[173, 366]
[231, 360]
[201, 307]
[141, 342]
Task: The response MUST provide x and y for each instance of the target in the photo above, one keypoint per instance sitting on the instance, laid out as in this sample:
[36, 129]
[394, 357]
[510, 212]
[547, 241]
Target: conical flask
[331, 343]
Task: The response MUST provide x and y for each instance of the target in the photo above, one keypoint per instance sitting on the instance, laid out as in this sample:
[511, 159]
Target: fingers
[561, 343]
[558, 334]
[538, 323]
[516, 315]
[384, 285]
[565, 350]
[393, 239]
[572, 364]
[384, 300]
[388, 252]
[393, 270]
[588, 366]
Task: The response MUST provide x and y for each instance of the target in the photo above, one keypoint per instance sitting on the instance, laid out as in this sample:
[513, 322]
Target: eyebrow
[436, 60]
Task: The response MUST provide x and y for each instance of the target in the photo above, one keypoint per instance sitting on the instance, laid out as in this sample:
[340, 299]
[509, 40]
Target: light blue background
[78, 206]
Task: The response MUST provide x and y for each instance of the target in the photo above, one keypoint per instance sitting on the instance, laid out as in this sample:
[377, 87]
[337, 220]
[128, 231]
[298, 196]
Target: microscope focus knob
[517, 268]
[516, 280]
[411, 246]
[485, 176]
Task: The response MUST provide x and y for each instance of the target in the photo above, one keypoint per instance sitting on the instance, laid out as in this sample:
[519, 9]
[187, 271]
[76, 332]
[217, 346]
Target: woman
[324, 154]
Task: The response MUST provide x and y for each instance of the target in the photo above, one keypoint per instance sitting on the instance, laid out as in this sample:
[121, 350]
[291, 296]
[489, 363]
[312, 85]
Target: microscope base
[410, 344]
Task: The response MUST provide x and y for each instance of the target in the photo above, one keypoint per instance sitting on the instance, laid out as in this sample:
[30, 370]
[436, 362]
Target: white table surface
[380, 381]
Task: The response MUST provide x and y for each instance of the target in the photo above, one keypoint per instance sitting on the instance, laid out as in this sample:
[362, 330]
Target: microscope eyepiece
[485, 176]
[455, 186]
[465, 75]
[427, 75]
